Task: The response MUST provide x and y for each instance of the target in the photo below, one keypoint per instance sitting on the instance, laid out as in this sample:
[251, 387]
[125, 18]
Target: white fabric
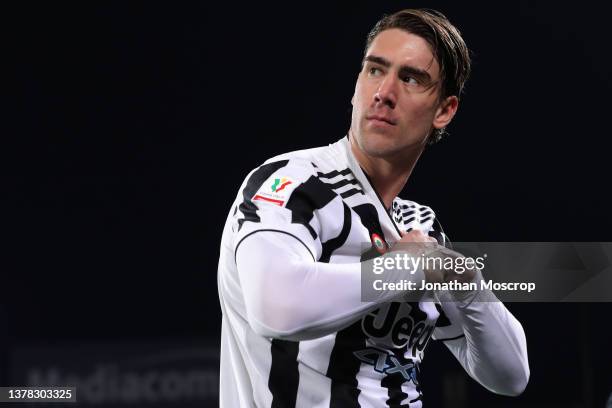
[493, 350]
[272, 285]
[292, 297]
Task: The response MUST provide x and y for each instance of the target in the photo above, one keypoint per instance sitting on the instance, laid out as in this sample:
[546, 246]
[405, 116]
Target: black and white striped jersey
[294, 332]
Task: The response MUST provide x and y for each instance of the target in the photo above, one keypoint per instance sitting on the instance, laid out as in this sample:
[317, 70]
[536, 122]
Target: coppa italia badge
[379, 243]
[280, 184]
[275, 190]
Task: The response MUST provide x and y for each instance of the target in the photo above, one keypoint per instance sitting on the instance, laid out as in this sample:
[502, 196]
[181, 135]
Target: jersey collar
[391, 229]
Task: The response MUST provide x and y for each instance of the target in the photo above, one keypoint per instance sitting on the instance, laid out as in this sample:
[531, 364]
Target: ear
[445, 112]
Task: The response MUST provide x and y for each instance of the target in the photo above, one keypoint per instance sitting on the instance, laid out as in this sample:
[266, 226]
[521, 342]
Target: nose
[387, 92]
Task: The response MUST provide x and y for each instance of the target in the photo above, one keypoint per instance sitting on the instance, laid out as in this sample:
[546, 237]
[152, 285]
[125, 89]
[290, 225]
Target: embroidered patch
[275, 190]
[379, 243]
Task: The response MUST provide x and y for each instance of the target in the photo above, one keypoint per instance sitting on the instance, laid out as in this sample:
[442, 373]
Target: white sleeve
[289, 295]
[493, 349]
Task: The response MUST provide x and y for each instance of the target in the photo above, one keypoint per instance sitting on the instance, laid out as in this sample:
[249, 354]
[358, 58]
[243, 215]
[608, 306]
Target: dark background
[132, 125]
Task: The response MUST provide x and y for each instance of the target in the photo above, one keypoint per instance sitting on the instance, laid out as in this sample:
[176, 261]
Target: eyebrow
[404, 69]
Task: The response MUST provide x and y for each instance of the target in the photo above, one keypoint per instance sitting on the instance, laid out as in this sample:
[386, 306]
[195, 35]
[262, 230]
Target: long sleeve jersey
[295, 331]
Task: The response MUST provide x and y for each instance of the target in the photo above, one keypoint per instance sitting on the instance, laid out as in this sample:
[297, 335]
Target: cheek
[358, 96]
[364, 93]
[418, 112]
[359, 103]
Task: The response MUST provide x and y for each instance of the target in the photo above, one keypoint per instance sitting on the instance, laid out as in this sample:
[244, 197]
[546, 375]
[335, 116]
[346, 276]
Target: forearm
[290, 296]
[494, 349]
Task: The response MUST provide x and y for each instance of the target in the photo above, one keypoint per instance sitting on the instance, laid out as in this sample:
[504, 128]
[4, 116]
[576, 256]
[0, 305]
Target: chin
[379, 145]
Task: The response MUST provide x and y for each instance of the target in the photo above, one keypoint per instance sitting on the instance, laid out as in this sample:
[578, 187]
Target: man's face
[396, 100]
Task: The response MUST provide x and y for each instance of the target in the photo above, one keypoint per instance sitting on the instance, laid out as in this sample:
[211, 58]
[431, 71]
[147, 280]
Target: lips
[382, 118]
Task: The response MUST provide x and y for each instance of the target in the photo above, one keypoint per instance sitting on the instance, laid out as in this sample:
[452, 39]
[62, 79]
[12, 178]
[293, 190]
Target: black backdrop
[131, 126]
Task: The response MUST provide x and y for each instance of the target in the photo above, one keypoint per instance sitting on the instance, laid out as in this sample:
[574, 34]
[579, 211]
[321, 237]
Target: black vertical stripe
[309, 196]
[328, 247]
[393, 382]
[418, 388]
[369, 218]
[344, 366]
[256, 180]
[284, 376]
[381, 202]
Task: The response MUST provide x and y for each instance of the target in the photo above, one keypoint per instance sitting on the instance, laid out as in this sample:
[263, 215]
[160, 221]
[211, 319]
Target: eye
[410, 80]
[374, 71]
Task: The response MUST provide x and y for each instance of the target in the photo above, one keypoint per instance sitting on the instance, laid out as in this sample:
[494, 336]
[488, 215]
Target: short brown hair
[446, 43]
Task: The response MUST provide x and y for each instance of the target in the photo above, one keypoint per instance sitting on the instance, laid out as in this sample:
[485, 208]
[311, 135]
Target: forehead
[400, 47]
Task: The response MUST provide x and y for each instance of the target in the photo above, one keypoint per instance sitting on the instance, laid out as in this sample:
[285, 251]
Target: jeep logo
[393, 325]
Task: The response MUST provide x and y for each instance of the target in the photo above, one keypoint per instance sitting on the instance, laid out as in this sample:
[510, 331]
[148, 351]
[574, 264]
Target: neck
[387, 174]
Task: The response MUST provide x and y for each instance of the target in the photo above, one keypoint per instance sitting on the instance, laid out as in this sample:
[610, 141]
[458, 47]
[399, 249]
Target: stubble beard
[380, 144]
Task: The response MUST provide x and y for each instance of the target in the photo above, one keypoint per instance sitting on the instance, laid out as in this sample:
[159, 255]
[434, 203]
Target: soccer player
[295, 332]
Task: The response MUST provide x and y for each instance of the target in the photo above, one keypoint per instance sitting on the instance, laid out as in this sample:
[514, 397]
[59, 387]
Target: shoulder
[312, 156]
[293, 175]
[413, 214]
[321, 159]
[297, 167]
